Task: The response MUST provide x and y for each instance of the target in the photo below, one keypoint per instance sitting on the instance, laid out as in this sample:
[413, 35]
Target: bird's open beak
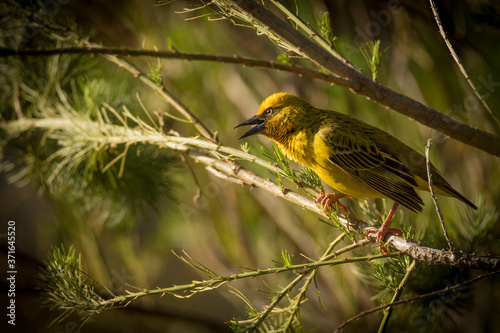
[261, 125]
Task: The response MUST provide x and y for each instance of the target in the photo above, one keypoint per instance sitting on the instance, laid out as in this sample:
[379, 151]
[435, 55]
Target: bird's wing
[371, 164]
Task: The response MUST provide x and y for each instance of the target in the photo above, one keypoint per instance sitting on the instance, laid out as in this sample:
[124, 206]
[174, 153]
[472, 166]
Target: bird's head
[278, 117]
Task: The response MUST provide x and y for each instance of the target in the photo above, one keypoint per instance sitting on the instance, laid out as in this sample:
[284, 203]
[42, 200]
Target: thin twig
[217, 281]
[433, 196]
[312, 275]
[235, 59]
[262, 317]
[222, 175]
[197, 196]
[413, 299]
[16, 102]
[459, 63]
[318, 38]
[397, 295]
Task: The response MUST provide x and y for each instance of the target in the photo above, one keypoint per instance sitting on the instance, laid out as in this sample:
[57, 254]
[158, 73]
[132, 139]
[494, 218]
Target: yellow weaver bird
[354, 158]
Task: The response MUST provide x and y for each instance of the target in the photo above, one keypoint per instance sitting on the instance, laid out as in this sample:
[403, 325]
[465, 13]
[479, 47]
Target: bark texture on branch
[416, 251]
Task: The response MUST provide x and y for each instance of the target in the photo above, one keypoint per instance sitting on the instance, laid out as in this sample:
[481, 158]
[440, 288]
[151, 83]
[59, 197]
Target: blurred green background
[129, 241]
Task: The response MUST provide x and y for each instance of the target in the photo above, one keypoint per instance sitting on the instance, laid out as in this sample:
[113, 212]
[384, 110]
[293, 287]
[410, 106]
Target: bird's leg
[327, 199]
[384, 228]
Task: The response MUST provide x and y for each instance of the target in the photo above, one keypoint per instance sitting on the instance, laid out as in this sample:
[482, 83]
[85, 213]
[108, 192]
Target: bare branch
[433, 195]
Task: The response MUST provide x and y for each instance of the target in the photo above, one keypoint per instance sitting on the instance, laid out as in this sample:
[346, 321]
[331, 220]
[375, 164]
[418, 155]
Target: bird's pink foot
[382, 231]
[327, 199]
[385, 229]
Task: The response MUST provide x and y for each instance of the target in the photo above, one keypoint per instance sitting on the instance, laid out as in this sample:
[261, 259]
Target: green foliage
[92, 177]
[335, 222]
[235, 326]
[155, 71]
[284, 58]
[304, 178]
[479, 226]
[309, 177]
[323, 23]
[285, 260]
[372, 56]
[389, 272]
[66, 287]
[71, 163]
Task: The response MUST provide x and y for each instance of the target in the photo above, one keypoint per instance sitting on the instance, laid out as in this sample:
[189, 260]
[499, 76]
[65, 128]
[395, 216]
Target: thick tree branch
[416, 251]
[362, 85]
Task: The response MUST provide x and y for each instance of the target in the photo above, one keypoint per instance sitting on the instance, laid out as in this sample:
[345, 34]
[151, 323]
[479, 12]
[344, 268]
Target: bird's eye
[268, 111]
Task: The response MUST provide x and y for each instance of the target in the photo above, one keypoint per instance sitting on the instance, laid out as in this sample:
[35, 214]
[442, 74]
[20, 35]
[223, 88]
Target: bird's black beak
[261, 125]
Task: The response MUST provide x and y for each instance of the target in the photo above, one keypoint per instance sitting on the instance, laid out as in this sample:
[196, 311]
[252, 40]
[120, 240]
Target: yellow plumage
[351, 156]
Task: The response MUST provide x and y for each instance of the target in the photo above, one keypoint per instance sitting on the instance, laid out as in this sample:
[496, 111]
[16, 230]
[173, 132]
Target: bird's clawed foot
[327, 199]
[385, 229]
[382, 231]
